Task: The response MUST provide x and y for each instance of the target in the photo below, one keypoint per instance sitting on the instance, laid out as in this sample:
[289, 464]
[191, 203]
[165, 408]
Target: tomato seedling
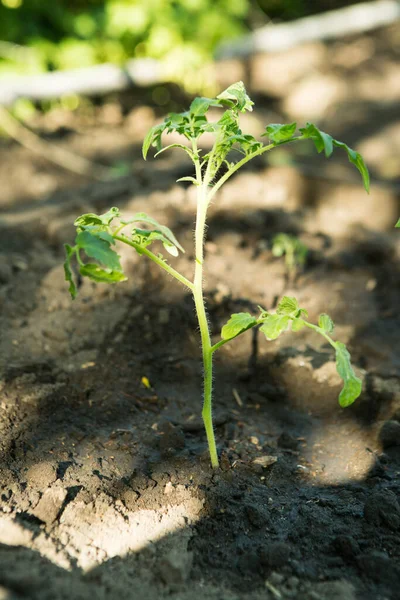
[97, 234]
[294, 251]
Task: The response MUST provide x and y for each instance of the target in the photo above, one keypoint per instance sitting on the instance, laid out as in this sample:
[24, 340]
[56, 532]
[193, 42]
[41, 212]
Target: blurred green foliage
[38, 35]
[68, 34]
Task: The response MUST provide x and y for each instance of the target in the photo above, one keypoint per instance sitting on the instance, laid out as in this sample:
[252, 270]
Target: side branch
[261, 320]
[140, 250]
[221, 343]
[245, 160]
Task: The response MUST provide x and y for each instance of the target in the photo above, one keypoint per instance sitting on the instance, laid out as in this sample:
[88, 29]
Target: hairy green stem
[202, 205]
[204, 196]
[321, 332]
[156, 259]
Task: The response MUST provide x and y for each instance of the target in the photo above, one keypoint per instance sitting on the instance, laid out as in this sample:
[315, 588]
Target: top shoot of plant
[97, 235]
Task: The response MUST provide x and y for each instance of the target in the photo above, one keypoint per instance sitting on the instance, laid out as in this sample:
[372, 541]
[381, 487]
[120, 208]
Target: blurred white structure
[102, 79]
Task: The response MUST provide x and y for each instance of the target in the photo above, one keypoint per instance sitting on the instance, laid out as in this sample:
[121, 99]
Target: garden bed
[106, 487]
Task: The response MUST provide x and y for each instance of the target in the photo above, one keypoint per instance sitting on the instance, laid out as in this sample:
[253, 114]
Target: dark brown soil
[106, 489]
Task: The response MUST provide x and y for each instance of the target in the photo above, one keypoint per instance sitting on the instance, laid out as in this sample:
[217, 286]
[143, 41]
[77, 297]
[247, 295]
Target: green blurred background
[37, 35]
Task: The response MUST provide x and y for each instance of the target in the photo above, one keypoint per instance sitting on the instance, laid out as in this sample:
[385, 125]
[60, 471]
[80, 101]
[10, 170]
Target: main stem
[203, 199]
[202, 205]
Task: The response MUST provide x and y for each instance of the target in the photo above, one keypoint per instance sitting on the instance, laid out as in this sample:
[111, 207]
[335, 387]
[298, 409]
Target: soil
[106, 488]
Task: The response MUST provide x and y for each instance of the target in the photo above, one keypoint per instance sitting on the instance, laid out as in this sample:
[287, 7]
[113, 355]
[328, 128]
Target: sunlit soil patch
[93, 532]
[338, 453]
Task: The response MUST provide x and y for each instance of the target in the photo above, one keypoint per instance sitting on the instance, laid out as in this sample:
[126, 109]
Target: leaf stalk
[141, 250]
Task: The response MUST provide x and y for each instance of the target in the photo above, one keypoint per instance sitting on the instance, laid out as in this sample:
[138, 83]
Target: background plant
[97, 234]
[293, 250]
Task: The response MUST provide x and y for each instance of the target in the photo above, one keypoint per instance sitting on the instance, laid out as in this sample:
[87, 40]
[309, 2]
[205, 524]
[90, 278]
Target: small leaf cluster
[145, 237]
[293, 249]
[289, 314]
[96, 238]
[192, 124]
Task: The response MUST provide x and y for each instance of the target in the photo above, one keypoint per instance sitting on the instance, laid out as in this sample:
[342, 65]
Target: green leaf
[288, 306]
[180, 123]
[297, 324]
[207, 127]
[274, 325]
[164, 231]
[101, 231]
[107, 217]
[153, 138]
[88, 220]
[147, 142]
[100, 275]
[398, 223]
[69, 251]
[289, 245]
[326, 323]
[176, 120]
[92, 219]
[278, 248]
[322, 140]
[352, 385]
[247, 143]
[200, 106]
[172, 250]
[235, 96]
[144, 238]
[280, 133]
[103, 235]
[238, 323]
[228, 123]
[357, 160]
[98, 249]
[281, 244]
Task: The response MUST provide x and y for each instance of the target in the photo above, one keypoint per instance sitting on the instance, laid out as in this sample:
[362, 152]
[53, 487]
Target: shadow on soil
[107, 437]
[274, 525]
[118, 448]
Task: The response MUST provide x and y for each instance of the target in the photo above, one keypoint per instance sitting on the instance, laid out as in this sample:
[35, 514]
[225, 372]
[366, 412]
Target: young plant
[97, 235]
[294, 251]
